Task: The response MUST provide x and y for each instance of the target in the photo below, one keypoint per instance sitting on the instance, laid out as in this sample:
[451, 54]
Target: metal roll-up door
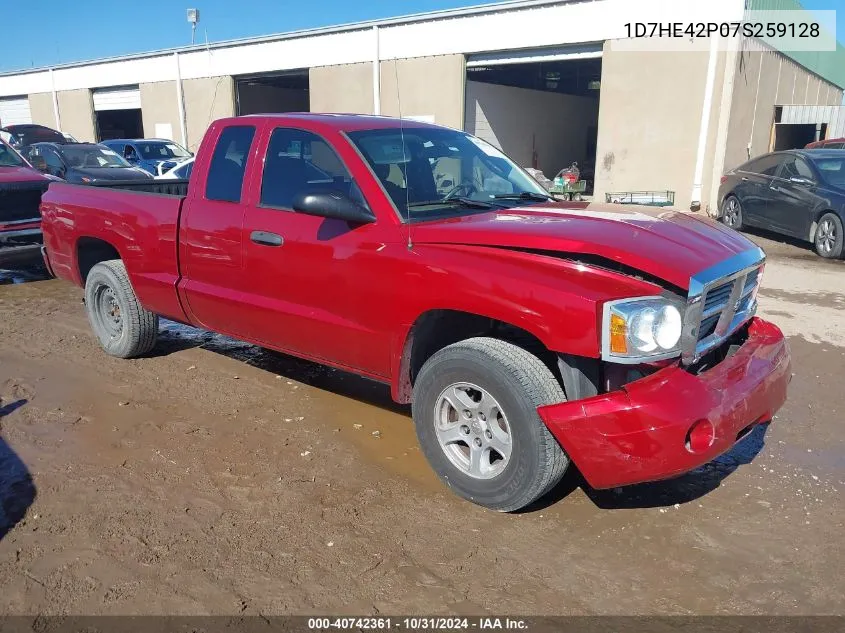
[125, 98]
[14, 111]
[527, 56]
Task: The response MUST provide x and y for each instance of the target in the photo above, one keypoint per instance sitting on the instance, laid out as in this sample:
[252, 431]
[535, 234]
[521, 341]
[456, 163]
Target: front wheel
[123, 326]
[475, 411]
[829, 237]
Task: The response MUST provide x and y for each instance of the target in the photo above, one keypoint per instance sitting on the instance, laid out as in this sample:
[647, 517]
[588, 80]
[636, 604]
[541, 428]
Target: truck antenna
[404, 154]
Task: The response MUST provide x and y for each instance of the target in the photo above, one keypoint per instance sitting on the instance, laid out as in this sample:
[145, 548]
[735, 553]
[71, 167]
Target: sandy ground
[218, 478]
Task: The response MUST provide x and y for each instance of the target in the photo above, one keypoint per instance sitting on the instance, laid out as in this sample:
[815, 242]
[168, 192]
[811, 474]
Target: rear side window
[228, 164]
[766, 165]
[794, 167]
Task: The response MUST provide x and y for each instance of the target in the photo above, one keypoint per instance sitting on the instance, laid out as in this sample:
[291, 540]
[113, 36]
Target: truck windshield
[91, 156]
[162, 151]
[439, 172]
[9, 157]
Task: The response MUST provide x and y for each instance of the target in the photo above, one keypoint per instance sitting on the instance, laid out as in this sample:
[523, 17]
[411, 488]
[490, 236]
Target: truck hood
[20, 174]
[665, 243]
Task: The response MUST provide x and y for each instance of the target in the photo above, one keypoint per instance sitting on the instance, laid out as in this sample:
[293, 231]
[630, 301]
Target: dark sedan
[800, 193]
[82, 162]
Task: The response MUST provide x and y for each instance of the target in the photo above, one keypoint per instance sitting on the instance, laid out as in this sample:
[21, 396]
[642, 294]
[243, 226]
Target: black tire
[732, 213]
[829, 237]
[124, 328]
[519, 382]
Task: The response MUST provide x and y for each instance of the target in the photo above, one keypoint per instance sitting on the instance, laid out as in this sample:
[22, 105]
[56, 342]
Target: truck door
[211, 234]
[307, 277]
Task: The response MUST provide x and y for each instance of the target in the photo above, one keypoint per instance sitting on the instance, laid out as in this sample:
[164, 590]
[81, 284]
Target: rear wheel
[475, 411]
[829, 236]
[123, 326]
[732, 213]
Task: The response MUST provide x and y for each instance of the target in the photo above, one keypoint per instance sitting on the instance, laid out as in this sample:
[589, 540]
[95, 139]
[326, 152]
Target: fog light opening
[700, 437]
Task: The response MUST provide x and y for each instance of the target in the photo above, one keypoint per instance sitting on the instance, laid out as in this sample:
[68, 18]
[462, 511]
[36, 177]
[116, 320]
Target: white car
[181, 171]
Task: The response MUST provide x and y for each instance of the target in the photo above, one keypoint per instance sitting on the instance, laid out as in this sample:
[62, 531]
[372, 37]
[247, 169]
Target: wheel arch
[434, 329]
[90, 251]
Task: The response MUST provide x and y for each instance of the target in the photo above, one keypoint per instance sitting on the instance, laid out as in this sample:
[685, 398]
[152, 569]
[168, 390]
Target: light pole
[193, 18]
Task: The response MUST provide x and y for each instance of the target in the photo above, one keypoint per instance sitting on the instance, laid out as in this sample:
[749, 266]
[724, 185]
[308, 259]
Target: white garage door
[527, 56]
[126, 98]
[14, 111]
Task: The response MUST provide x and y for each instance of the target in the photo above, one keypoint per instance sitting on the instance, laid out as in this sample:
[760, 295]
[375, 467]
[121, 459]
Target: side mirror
[332, 204]
[39, 163]
[799, 180]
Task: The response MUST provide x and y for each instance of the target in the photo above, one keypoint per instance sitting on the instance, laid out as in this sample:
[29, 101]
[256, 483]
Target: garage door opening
[797, 135]
[285, 92]
[117, 113]
[540, 107]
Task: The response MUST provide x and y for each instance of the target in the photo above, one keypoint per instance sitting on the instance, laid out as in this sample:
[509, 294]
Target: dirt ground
[218, 478]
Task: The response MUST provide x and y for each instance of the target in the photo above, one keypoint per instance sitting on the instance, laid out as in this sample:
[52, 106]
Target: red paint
[824, 143]
[349, 296]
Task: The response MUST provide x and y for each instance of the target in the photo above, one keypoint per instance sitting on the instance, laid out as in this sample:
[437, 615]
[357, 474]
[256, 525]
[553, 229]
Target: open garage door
[14, 111]
[276, 92]
[118, 112]
[539, 106]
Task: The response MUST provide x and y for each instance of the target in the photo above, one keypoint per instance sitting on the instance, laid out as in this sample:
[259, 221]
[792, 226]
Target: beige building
[551, 82]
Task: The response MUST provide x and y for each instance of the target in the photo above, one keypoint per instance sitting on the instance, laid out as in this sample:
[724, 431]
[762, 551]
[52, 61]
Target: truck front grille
[20, 201]
[721, 299]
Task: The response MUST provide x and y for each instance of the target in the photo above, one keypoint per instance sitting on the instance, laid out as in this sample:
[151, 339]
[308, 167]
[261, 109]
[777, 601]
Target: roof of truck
[344, 121]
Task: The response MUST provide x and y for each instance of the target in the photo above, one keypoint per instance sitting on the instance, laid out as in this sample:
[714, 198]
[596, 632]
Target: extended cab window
[228, 164]
[299, 162]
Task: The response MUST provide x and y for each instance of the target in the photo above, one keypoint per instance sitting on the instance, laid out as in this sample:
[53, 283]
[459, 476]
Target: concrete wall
[76, 110]
[764, 79]
[344, 88]
[649, 121]
[41, 109]
[427, 86]
[159, 105]
[259, 99]
[521, 121]
[205, 101]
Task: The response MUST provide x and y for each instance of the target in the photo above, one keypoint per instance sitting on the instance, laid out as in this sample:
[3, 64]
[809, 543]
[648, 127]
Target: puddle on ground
[23, 276]
[359, 409]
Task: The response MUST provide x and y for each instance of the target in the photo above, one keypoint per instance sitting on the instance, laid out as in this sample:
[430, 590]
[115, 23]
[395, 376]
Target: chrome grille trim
[740, 273]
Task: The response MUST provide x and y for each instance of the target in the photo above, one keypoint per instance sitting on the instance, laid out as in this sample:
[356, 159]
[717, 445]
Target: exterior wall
[343, 88]
[764, 79]
[427, 86]
[159, 105]
[41, 108]
[76, 110]
[650, 119]
[205, 101]
[521, 122]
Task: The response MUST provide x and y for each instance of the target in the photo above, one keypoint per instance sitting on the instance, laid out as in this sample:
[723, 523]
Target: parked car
[154, 155]
[25, 134]
[831, 143]
[526, 333]
[82, 162]
[181, 171]
[21, 187]
[800, 193]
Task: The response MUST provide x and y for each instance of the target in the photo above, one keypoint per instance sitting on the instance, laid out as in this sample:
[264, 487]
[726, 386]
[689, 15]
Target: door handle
[744, 178]
[266, 238]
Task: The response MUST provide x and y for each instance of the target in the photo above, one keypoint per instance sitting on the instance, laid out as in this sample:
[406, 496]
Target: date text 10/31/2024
[418, 624]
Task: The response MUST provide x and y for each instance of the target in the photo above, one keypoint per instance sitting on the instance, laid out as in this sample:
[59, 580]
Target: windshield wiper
[458, 201]
[523, 195]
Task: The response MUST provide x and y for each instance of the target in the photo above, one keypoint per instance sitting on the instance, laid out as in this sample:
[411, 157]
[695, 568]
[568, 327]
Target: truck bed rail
[160, 187]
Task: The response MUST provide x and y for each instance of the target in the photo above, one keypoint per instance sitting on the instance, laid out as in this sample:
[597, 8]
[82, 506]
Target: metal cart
[569, 191]
[648, 198]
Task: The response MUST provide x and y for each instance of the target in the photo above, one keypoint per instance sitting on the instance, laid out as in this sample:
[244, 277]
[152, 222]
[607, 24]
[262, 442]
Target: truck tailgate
[141, 227]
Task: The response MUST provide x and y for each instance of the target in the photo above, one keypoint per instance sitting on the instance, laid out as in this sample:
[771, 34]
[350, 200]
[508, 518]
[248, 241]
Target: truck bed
[139, 220]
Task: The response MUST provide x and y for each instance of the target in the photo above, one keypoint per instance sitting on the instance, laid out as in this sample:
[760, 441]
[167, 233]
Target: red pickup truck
[21, 187]
[526, 333]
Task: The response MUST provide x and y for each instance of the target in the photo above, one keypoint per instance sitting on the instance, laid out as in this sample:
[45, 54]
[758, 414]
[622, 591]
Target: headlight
[641, 330]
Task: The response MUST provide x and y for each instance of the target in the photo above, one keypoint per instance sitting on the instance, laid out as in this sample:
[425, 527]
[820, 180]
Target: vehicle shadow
[683, 489]
[17, 490]
[174, 337]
